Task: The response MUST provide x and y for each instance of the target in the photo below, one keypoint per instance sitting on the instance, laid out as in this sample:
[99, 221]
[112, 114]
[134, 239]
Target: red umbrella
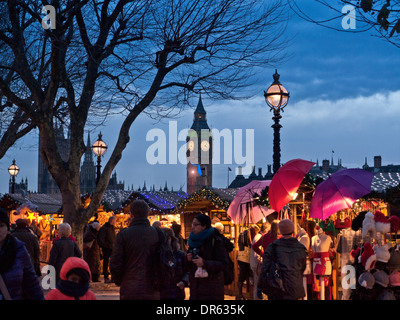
[286, 181]
[242, 209]
[339, 191]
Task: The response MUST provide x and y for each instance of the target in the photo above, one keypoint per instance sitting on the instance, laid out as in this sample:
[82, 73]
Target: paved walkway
[109, 291]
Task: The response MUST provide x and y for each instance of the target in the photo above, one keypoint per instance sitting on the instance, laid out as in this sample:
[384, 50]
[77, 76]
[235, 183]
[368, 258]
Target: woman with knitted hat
[206, 251]
[18, 280]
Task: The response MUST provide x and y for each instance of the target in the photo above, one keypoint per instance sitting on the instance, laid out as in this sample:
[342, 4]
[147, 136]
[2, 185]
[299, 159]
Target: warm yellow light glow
[13, 169]
[277, 96]
[99, 147]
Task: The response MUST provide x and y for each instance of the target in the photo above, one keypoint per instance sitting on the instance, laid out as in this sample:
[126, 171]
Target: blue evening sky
[345, 96]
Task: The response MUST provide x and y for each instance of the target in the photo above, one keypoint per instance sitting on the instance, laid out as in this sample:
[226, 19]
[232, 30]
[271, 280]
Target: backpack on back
[229, 274]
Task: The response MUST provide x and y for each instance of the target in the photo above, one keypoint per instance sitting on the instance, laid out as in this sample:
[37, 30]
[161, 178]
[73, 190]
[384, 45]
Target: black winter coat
[61, 250]
[181, 273]
[32, 245]
[132, 263]
[215, 258]
[92, 255]
[291, 256]
[106, 237]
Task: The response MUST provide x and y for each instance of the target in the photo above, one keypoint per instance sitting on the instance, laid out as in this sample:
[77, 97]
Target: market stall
[161, 203]
[43, 212]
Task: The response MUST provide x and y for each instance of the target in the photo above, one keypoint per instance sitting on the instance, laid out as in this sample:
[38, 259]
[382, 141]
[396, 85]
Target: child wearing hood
[74, 282]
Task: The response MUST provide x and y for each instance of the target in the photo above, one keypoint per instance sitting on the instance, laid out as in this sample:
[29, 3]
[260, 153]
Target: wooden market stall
[161, 203]
[43, 212]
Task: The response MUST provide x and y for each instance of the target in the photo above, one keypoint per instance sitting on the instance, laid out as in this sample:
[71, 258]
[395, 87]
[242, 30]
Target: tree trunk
[74, 214]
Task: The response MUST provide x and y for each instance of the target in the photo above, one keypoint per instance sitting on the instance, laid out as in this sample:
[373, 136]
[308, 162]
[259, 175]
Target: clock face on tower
[191, 145]
[205, 145]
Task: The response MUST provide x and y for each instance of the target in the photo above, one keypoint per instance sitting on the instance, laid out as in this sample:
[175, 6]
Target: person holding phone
[207, 252]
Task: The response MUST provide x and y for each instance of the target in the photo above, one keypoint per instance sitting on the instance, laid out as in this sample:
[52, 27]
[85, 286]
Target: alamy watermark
[348, 277]
[49, 21]
[234, 143]
[349, 19]
[48, 281]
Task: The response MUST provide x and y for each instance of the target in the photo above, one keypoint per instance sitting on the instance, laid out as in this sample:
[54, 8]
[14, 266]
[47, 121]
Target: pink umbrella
[286, 182]
[243, 209]
[339, 191]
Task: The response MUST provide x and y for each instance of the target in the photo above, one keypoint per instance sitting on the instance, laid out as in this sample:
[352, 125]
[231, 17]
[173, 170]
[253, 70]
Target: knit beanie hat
[382, 223]
[4, 217]
[286, 227]
[394, 261]
[394, 278]
[204, 220]
[382, 278]
[368, 257]
[368, 226]
[356, 224]
[382, 252]
[366, 280]
[354, 254]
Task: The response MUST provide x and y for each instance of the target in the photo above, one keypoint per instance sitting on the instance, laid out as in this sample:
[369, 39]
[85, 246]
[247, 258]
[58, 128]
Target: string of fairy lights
[204, 193]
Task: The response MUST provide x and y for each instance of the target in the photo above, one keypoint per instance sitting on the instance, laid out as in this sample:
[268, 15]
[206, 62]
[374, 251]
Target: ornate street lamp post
[13, 171]
[99, 148]
[277, 98]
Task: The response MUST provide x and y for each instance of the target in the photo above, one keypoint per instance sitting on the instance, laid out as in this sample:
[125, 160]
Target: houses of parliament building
[46, 183]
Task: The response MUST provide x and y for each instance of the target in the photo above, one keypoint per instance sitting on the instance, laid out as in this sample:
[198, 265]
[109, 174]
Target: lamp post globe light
[13, 171]
[99, 148]
[277, 99]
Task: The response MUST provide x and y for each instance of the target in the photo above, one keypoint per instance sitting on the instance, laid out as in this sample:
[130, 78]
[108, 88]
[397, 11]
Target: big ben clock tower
[199, 152]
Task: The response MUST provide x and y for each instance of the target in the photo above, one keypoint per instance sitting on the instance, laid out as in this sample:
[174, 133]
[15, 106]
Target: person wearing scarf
[74, 282]
[206, 250]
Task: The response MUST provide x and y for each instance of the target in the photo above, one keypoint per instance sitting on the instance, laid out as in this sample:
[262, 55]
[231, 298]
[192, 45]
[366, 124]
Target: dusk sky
[344, 96]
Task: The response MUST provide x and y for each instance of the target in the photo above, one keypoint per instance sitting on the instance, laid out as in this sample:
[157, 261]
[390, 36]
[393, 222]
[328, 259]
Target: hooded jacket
[291, 256]
[71, 263]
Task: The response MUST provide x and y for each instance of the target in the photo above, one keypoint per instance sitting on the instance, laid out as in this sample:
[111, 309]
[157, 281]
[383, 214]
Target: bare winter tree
[382, 17]
[97, 57]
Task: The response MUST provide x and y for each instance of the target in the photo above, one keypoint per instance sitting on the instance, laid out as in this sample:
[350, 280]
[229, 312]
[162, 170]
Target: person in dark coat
[291, 257]
[132, 262]
[106, 240]
[177, 228]
[63, 249]
[176, 289]
[23, 233]
[91, 250]
[16, 268]
[207, 251]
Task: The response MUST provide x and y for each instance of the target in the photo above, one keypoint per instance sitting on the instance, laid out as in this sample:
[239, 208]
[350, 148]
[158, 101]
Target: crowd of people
[133, 259]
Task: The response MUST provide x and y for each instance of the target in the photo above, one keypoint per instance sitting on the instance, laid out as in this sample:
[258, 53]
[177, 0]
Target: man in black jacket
[291, 257]
[26, 235]
[132, 262]
[106, 240]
